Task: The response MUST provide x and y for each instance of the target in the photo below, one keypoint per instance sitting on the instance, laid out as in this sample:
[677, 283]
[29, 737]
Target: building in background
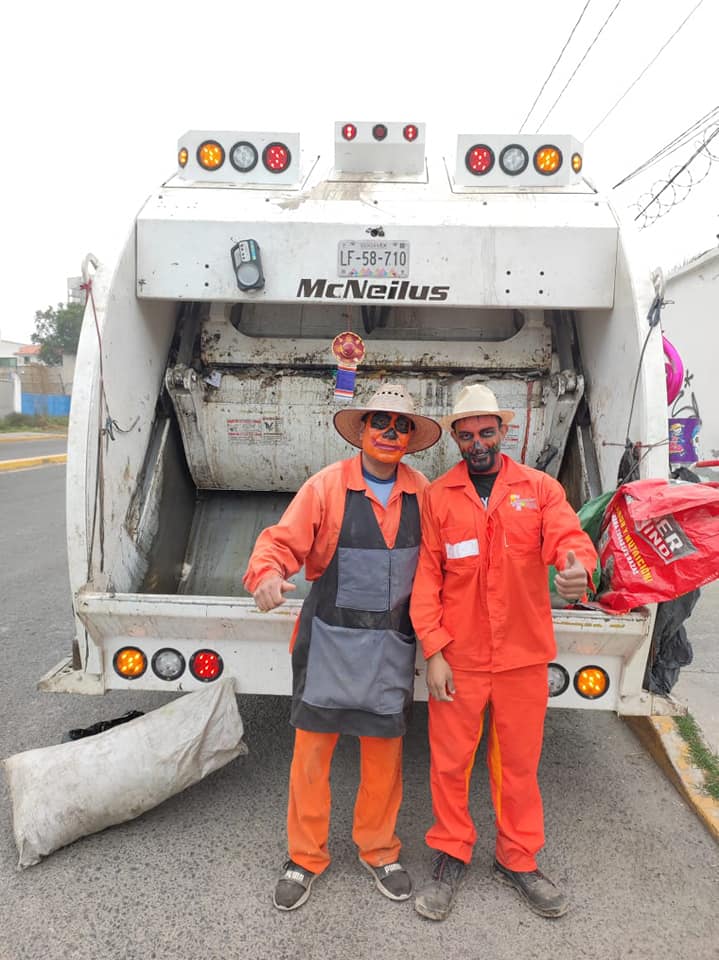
[75, 293]
[690, 320]
[28, 353]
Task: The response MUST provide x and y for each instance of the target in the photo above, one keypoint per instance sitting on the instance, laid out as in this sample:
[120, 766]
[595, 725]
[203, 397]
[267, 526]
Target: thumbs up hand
[571, 583]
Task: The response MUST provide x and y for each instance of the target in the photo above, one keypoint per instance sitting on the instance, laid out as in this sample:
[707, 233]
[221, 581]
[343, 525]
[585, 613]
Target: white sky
[96, 96]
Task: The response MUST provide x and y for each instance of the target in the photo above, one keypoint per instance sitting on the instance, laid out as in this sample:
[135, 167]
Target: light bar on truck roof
[379, 147]
[509, 160]
[239, 157]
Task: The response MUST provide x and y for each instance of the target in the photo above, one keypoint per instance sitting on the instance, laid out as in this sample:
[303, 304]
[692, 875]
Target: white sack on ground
[64, 792]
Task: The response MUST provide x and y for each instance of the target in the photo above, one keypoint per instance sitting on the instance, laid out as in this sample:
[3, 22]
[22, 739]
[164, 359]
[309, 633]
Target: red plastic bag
[659, 540]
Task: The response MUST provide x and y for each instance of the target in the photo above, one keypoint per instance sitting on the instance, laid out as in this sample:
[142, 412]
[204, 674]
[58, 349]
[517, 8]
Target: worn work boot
[392, 879]
[435, 900]
[543, 896]
[293, 887]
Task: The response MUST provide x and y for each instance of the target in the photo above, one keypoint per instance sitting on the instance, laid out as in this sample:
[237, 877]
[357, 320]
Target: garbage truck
[206, 379]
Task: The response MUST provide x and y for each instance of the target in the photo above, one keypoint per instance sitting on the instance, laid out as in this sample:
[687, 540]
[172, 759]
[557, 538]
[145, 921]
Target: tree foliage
[57, 330]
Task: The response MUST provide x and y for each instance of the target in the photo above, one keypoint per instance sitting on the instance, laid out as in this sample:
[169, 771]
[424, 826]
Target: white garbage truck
[205, 380]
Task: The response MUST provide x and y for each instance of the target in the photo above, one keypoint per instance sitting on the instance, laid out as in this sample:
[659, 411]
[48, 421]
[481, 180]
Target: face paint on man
[385, 436]
[480, 440]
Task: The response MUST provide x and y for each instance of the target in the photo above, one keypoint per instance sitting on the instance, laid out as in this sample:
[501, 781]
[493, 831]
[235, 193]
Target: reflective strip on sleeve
[465, 548]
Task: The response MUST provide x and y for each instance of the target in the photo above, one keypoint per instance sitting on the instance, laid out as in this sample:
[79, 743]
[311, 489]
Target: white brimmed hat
[391, 398]
[475, 400]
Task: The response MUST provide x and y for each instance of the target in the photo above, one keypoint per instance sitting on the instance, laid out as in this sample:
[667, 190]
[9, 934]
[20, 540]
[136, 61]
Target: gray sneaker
[293, 887]
[543, 896]
[435, 900]
[391, 879]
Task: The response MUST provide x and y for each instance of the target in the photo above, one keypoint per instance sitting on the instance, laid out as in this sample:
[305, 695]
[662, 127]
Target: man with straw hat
[481, 610]
[355, 526]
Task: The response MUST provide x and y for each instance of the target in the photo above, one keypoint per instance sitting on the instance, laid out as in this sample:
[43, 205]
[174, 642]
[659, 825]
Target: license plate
[372, 258]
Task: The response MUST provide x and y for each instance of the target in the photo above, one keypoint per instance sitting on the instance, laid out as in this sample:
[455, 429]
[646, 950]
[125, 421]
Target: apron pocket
[363, 579]
[350, 669]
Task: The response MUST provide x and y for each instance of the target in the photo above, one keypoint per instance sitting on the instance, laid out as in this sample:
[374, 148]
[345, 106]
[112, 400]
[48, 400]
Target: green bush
[20, 422]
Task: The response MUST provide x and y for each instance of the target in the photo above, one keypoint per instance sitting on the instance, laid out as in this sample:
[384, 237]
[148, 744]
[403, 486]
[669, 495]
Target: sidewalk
[698, 689]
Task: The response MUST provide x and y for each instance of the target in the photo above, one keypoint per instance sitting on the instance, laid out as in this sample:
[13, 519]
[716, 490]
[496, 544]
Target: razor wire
[666, 193]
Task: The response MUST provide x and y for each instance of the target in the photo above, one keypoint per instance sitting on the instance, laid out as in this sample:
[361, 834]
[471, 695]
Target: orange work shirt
[308, 531]
[481, 591]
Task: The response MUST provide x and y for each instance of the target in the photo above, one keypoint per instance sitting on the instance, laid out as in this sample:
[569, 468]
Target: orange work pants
[378, 800]
[518, 704]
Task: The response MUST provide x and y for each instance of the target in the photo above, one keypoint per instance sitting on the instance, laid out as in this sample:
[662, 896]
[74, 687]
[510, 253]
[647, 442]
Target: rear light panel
[239, 157]
[513, 161]
[379, 147]
[167, 664]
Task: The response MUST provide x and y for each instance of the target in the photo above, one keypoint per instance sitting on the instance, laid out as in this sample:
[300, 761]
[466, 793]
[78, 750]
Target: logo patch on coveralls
[522, 503]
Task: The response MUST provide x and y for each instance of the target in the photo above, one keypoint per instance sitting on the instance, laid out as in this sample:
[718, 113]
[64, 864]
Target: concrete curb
[662, 739]
[26, 462]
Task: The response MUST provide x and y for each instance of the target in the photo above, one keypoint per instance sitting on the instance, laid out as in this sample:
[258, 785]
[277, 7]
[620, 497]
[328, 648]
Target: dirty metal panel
[479, 263]
[403, 338]
[224, 530]
[269, 430]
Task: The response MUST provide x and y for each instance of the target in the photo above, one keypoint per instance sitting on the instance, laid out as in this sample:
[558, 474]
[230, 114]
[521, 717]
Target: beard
[482, 460]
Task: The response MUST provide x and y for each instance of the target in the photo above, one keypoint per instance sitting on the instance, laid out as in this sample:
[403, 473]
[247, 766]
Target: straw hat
[475, 400]
[390, 398]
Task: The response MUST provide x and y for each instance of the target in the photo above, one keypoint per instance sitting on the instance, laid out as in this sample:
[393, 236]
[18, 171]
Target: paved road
[20, 449]
[191, 879]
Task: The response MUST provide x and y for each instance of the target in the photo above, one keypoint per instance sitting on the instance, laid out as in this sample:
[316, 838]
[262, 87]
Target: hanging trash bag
[659, 540]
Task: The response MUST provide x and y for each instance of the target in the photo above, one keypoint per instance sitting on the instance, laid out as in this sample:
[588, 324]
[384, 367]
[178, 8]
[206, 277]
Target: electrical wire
[556, 63]
[669, 148]
[653, 317]
[636, 81]
[586, 54]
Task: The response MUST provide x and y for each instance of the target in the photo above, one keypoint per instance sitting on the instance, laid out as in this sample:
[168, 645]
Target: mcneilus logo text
[364, 289]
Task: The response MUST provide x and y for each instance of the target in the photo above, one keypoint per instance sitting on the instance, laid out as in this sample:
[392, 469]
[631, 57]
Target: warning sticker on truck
[254, 430]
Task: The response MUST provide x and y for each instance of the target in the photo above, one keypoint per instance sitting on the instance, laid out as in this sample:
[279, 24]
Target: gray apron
[354, 655]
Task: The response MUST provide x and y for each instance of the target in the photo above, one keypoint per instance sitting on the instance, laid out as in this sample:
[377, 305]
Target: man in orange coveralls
[481, 610]
[356, 527]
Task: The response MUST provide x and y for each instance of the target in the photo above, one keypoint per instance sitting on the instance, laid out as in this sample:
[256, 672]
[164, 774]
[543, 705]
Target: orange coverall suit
[481, 596]
[308, 534]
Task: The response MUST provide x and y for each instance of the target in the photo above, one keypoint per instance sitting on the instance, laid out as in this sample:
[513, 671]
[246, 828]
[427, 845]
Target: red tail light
[349, 131]
[479, 159]
[379, 131]
[206, 665]
[276, 157]
[410, 132]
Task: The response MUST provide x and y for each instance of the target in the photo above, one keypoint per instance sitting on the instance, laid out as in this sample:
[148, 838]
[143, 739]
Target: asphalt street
[11, 449]
[192, 878]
